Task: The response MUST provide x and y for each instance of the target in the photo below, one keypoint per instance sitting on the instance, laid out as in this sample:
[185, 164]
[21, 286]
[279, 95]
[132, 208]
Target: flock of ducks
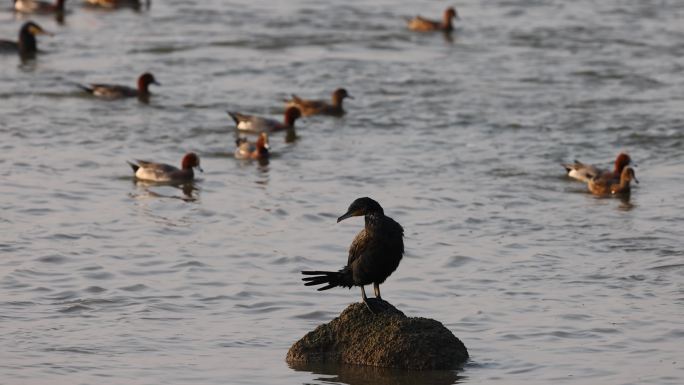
[599, 182]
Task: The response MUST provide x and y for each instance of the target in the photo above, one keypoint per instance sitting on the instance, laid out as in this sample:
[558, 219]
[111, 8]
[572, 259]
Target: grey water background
[110, 282]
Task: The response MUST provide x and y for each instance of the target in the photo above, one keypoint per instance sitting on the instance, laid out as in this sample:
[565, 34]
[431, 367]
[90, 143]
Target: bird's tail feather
[330, 279]
[83, 87]
[235, 116]
[134, 166]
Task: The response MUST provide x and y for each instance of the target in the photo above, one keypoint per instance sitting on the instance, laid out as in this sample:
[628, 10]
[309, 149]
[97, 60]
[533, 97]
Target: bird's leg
[365, 300]
[376, 288]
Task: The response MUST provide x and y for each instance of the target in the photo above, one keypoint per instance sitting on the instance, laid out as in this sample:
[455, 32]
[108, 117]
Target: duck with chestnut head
[248, 150]
[310, 107]
[39, 6]
[606, 185]
[166, 173]
[421, 24]
[586, 172]
[116, 91]
[257, 124]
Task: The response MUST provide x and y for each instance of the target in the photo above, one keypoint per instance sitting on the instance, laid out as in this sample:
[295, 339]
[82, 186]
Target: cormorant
[26, 46]
[373, 255]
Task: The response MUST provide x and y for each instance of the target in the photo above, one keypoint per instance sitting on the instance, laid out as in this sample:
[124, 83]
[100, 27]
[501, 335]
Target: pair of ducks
[604, 182]
[295, 108]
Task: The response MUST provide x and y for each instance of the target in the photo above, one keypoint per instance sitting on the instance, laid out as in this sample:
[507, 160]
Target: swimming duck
[421, 24]
[257, 124]
[27, 40]
[114, 91]
[310, 107]
[586, 172]
[247, 150]
[606, 185]
[38, 6]
[160, 172]
[373, 255]
[115, 3]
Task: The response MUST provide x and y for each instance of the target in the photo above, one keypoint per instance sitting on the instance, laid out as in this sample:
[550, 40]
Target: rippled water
[107, 281]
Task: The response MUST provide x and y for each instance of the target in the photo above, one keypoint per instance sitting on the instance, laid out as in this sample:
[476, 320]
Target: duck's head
[291, 115]
[623, 160]
[262, 143]
[360, 207]
[450, 13]
[145, 80]
[628, 175]
[190, 161]
[340, 94]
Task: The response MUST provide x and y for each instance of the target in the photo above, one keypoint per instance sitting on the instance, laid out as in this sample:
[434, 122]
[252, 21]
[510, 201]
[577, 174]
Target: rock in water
[388, 339]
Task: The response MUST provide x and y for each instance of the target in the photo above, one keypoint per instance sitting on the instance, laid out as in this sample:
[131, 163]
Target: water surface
[107, 281]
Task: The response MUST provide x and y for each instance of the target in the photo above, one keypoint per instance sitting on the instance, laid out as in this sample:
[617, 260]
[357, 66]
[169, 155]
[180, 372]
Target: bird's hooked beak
[199, 168]
[155, 82]
[635, 179]
[35, 31]
[349, 214]
[349, 96]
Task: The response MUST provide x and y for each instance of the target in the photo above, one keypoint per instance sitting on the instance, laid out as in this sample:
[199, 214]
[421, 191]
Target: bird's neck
[447, 24]
[373, 219]
[337, 101]
[27, 43]
[143, 86]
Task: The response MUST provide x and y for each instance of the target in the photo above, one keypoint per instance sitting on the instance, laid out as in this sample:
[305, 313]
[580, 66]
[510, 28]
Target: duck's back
[419, 23]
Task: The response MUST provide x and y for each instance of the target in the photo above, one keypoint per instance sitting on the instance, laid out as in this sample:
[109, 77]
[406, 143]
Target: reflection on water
[370, 375]
[189, 189]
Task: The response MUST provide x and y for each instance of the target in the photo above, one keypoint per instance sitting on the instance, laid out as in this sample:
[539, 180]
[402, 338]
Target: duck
[38, 6]
[421, 24]
[161, 172]
[247, 150]
[115, 3]
[374, 253]
[606, 185]
[586, 172]
[115, 91]
[253, 123]
[27, 44]
[310, 107]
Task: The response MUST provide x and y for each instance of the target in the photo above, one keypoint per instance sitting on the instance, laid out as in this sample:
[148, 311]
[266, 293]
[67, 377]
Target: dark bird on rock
[373, 255]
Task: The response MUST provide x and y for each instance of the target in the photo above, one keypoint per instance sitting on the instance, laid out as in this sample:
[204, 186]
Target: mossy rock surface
[387, 339]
